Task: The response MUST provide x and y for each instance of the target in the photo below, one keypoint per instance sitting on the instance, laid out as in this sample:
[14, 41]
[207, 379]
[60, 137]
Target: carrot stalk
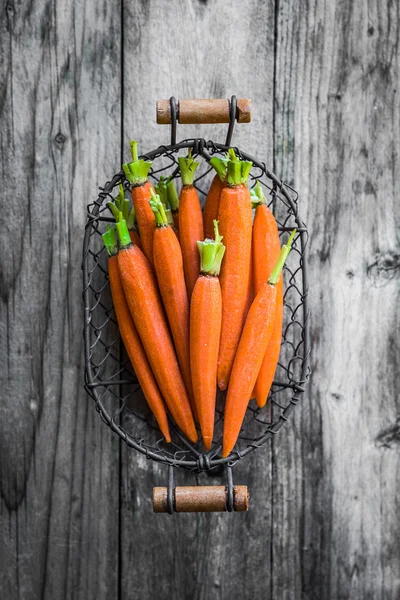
[161, 190]
[146, 309]
[168, 265]
[266, 249]
[205, 329]
[235, 222]
[121, 204]
[173, 201]
[252, 346]
[190, 222]
[136, 173]
[131, 340]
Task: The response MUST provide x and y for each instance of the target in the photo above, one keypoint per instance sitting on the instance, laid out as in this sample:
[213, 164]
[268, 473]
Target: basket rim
[206, 461]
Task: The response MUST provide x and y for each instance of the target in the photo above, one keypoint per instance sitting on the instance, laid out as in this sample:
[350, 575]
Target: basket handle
[212, 498]
[203, 111]
[202, 498]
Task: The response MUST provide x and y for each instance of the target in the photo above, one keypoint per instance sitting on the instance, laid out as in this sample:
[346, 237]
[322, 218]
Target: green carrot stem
[170, 218]
[257, 195]
[110, 241]
[220, 166]
[120, 197]
[159, 210]
[130, 221]
[114, 210]
[211, 254]
[274, 278]
[187, 167]
[123, 233]
[125, 209]
[172, 195]
[237, 170]
[161, 189]
[134, 150]
[136, 171]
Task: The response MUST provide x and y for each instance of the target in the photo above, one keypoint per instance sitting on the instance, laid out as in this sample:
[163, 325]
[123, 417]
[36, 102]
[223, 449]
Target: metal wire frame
[110, 381]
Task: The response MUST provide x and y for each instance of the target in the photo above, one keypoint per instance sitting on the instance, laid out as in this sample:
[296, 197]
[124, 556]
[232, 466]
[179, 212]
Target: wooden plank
[171, 49]
[60, 136]
[335, 497]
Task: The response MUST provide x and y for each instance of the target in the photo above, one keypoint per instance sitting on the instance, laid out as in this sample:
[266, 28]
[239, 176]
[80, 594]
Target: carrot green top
[161, 189]
[187, 166]
[159, 210]
[257, 195]
[123, 233]
[136, 171]
[173, 198]
[121, 204]
[231, 169]
[276, 272]
[211, 253]
[110, 241]
[220, 166]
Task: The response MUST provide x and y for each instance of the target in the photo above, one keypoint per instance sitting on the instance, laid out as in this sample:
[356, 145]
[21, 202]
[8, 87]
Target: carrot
[168, 265]
[190, 222]
[266, 249]
[173, 201]
[252, 346]
[131, 339]
[136, 173]
[235, 222]
[205, 329]
[211, 205]
[144, 303]
[121, 204]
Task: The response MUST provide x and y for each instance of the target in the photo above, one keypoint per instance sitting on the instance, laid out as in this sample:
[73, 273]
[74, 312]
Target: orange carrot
[190, 222]
[252, 346]
[121, 204]
[131, 339]
[211, 206]
[168, 266]
[144, 303]
[136, 173]
[266, 249]
[235, 223]
[205, 329]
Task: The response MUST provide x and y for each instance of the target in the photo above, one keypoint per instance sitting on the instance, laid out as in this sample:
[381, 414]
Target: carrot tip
[207, 441]
[222, 385]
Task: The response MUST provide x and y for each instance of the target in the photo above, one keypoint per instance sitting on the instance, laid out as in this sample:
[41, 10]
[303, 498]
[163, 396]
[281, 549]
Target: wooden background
[78, 80]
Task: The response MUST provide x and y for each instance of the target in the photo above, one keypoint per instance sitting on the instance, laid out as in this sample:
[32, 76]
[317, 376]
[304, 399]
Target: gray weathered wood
[335, 496]
[60, 135]
[76, 518]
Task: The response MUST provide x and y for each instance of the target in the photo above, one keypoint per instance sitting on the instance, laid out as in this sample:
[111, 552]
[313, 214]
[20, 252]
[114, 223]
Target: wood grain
[335, 505]
[77, 81]
[60, 135]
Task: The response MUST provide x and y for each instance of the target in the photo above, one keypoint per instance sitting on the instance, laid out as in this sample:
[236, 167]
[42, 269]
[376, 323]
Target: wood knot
[390, 436]
[60, 138]
[384, 268]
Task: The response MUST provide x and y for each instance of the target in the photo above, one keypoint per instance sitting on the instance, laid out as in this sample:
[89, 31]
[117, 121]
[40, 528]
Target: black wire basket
[109, 378]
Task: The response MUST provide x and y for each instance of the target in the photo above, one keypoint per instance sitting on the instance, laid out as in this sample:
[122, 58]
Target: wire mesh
[109, 378]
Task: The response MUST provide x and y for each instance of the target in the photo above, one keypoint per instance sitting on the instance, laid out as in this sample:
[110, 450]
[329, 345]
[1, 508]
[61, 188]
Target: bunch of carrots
[198, 295]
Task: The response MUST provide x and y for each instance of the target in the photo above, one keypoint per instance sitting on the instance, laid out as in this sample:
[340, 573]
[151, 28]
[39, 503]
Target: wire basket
[109, 378]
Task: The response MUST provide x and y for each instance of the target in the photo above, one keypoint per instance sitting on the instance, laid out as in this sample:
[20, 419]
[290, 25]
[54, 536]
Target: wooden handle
[203, 111]
[211, 498]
